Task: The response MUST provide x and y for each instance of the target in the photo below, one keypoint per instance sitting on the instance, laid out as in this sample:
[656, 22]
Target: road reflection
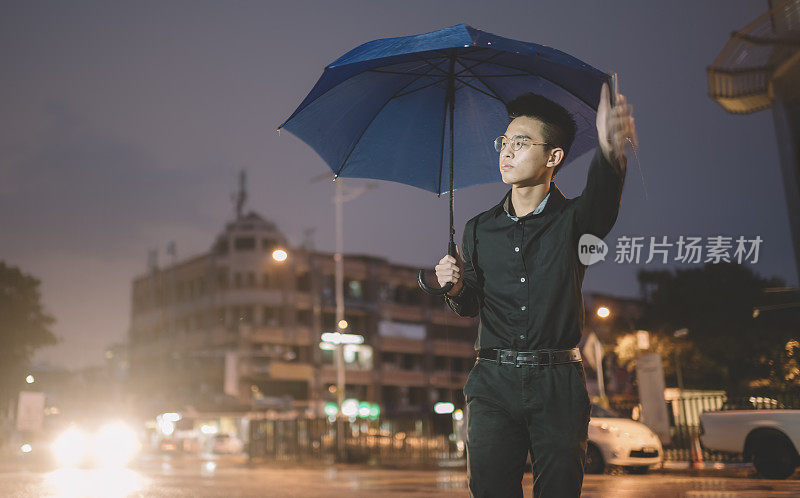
[105, 483]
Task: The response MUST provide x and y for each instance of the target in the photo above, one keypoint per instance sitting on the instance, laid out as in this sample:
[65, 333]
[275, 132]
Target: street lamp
[29, 379]
[279, 255]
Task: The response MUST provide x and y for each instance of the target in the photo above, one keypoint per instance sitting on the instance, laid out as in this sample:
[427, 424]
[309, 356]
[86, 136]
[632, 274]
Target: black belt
[531, 358]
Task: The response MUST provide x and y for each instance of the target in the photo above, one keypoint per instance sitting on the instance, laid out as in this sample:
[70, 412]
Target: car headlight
[70, 447]
[114, 445]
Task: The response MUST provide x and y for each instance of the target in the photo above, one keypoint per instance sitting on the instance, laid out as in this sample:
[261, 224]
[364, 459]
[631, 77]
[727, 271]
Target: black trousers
[514, 410]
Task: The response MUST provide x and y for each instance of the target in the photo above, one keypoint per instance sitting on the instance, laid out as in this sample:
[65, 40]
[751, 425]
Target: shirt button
[522, 279]
[524, 308]
[516, 249]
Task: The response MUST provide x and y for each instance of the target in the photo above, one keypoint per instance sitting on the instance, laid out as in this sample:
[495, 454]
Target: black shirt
[525, 277]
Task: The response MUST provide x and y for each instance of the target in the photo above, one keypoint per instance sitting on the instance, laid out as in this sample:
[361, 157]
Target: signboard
[30, 411]
[650, 378]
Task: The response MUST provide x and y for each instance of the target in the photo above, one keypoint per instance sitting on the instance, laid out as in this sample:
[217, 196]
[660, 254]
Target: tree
[24, 328]
[727, 346]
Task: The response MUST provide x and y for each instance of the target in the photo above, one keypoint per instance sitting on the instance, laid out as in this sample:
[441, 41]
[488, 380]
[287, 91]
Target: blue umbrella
[434, 99]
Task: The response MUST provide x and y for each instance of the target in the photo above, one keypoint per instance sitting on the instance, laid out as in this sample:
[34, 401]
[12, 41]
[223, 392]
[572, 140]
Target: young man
[521, 272]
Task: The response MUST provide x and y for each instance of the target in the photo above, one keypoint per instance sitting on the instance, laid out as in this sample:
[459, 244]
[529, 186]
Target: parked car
[767, 437]
[616, 440]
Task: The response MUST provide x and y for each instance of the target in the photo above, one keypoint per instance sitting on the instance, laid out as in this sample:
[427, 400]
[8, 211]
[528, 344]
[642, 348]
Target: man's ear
[556, 156]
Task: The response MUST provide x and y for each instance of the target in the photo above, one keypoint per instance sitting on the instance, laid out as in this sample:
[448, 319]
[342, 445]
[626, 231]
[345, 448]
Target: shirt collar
[553, 198]
[507, 206]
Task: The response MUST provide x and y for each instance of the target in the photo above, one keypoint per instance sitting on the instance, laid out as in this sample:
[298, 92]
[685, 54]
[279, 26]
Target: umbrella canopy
[399, 109]
[381, 110]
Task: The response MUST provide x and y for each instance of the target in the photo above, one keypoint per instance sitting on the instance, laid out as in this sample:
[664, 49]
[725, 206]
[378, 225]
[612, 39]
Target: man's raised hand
[614, 126]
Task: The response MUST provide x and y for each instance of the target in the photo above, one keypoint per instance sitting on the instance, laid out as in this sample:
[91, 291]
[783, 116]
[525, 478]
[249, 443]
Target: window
[304, 318]
[353, 289]
[251, 279]
[237, 280]
[270, 316]
[244, 314]
[304, 281]
[244, 243]
[223, 278]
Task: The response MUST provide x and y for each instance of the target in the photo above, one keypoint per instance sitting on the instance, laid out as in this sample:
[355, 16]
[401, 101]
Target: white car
[769, 438]
[614, 440]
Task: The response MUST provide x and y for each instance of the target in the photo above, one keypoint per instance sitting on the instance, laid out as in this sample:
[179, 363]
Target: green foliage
[726, 345]
[24, 327]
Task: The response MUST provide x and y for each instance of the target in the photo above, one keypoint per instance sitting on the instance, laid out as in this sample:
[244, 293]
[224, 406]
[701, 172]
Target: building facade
[236, 329]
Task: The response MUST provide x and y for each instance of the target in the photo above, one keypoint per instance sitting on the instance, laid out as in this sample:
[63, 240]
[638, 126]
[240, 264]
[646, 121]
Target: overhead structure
[759, 68]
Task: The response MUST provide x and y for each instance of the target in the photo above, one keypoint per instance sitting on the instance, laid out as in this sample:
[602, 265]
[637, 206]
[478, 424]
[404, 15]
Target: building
[235, 329]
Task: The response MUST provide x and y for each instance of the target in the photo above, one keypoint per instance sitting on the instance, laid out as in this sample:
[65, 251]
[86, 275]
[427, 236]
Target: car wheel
[594, 460]
[774, 460]
[637, 469]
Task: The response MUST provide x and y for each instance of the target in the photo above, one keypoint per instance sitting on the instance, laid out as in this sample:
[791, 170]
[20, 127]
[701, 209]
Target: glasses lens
[498, 144]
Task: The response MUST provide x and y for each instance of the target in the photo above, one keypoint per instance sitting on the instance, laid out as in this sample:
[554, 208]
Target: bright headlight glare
[70, 447]
[114, 445]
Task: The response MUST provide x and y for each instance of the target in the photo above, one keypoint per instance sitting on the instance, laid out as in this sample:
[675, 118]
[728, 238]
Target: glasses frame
[524, 143]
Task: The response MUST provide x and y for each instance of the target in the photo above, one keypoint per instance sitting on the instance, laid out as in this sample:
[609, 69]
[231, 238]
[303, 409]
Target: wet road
[190, 479]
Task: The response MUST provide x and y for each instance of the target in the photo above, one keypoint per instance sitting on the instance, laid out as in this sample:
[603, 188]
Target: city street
[174, 478]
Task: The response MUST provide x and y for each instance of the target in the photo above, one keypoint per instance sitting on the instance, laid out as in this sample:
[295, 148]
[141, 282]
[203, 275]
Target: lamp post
[340, 197]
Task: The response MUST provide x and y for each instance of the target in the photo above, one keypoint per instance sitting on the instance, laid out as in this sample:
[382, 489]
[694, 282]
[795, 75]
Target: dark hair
[559, 126]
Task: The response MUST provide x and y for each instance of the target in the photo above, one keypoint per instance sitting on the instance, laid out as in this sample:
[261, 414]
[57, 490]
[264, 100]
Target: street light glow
[603, 312]
[342, 324]
[279, 255]
[443, 408]
[29, 379]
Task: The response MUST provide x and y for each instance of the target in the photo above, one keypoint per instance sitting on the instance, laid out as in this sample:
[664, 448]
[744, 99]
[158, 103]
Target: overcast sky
[123, 127]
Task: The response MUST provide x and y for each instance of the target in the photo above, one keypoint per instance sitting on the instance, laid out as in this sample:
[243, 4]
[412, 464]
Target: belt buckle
[550, 357]
[516, 360]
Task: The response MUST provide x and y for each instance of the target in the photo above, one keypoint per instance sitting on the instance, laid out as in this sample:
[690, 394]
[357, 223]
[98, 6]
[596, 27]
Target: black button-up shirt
[524, 277]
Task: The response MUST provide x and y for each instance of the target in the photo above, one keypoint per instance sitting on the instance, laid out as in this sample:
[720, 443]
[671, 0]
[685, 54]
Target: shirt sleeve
[596, 209]
[467, 301]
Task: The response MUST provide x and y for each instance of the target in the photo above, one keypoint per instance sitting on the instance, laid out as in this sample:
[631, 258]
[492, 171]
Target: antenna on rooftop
[241, 196]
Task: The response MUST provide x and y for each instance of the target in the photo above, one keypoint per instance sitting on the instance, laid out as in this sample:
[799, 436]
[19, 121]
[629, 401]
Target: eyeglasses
[516, 143]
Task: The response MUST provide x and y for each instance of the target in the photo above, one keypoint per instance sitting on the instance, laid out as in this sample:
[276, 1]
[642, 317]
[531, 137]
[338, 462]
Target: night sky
[124, 126]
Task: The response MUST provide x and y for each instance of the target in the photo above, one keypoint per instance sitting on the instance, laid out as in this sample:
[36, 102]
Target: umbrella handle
[446, 287]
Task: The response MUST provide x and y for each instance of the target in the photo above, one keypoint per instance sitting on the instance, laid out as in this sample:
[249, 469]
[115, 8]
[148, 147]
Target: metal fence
[372, 443]
[301, 440]
[684, 414]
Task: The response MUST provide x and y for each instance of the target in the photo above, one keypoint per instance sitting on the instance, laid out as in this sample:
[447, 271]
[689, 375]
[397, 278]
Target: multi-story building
[237, 329]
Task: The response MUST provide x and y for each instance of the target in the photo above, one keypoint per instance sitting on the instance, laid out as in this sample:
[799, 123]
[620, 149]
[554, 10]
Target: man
[521, 273]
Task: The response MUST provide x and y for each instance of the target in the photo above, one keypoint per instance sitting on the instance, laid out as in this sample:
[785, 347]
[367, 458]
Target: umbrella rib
[370, 122]
[479, 62]
[479, 90]
[485, 84]
[418, 89]
[543, 77]
[396, 72]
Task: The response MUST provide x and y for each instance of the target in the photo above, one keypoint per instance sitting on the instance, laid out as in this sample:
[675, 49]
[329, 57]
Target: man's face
[532, 164]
